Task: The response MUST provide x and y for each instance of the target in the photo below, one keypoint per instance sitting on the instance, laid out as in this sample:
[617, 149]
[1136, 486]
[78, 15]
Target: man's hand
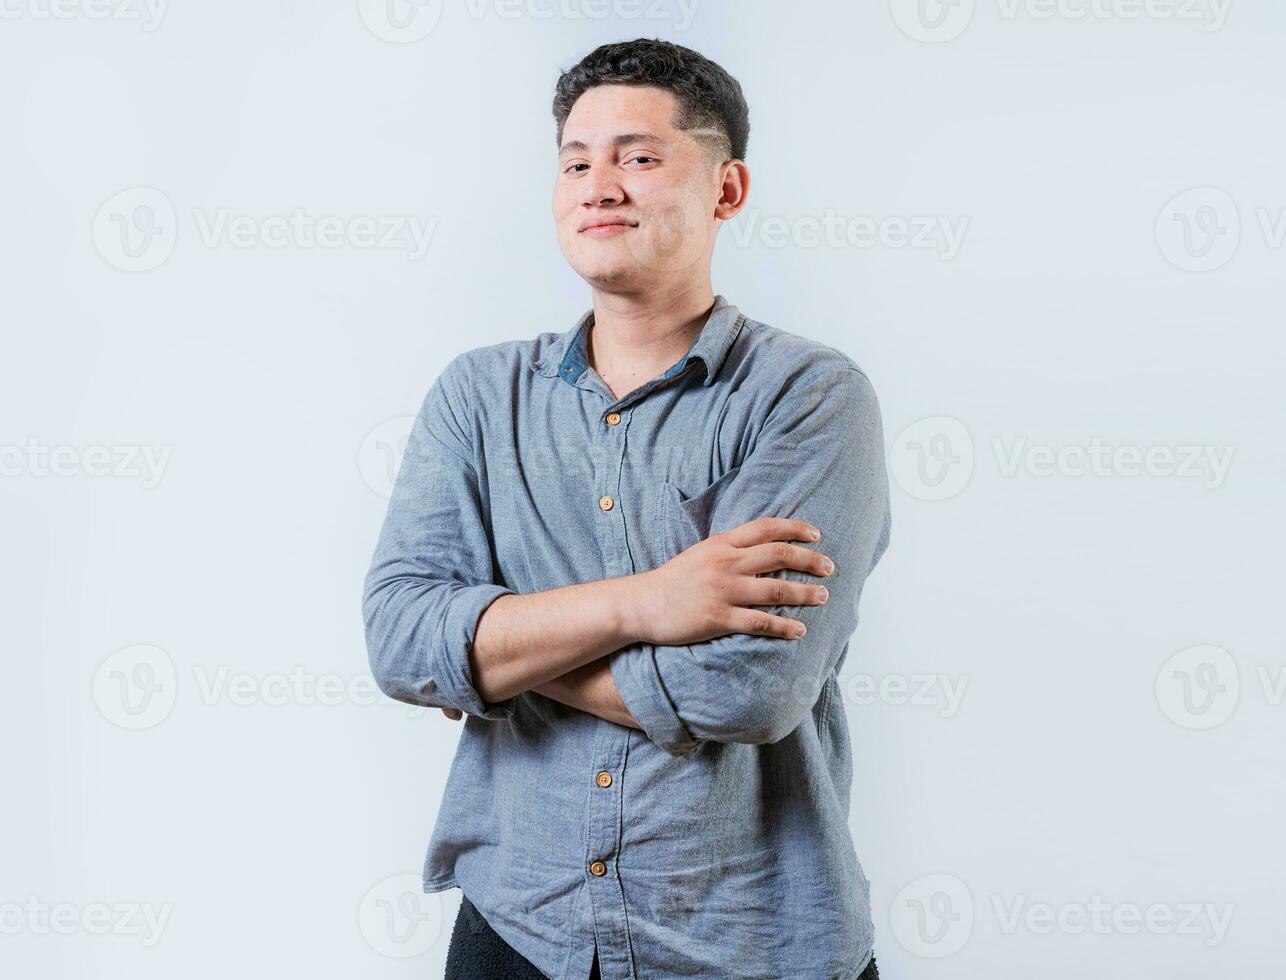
[706, 591]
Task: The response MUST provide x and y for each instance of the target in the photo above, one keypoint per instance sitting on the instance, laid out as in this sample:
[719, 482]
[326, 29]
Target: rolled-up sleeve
[638, 681]
[819, 457]
[431, 577]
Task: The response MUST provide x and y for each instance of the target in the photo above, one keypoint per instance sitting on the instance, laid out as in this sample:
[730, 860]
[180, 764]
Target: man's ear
[734, 188]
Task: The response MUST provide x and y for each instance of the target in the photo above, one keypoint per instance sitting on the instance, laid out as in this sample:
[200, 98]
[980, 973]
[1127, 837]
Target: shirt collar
[566, 358]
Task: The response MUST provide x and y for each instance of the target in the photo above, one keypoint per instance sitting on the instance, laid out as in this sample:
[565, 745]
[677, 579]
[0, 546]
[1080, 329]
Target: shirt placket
[603, 816]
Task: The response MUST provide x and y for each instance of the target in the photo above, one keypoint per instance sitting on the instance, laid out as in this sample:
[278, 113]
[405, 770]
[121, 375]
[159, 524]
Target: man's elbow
[378, 649]
[760, 720]
[386, 655]
[766, 704]
[762, 726]
[390, 678]
[391, 681]
[396, 682]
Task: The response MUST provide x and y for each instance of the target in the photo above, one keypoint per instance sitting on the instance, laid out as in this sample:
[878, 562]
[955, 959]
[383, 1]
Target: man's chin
[616, 276]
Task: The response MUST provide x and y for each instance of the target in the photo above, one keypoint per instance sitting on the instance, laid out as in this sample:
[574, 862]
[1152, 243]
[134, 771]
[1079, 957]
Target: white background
[270, 823]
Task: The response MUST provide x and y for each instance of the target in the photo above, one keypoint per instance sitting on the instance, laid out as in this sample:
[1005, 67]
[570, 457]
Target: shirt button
[598, 869]
[613, 418]
[605, 502]
[604, 779]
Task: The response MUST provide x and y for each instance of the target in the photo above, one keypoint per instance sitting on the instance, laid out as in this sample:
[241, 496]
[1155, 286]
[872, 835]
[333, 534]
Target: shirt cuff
[639, 684]
[459, 629]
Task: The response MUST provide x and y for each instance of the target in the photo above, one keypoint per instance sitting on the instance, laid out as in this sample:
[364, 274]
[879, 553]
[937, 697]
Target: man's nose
[602, 190]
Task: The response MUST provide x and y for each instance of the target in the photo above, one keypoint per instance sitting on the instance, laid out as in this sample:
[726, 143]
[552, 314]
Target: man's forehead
[609, 113]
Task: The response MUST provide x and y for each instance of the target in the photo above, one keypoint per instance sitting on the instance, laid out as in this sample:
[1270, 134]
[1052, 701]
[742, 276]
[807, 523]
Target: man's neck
[634, 339]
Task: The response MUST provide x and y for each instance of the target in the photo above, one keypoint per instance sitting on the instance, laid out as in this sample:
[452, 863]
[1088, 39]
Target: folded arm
[432, 580]
[819, 457]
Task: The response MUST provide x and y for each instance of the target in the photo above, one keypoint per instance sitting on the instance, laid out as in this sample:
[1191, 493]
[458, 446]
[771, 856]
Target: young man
[632, 554]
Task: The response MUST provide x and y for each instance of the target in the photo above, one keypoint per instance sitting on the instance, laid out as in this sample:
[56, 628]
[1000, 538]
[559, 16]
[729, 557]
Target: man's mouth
[606, 229]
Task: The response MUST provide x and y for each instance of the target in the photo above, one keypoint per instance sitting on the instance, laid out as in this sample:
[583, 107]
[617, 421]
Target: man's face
[636, 200]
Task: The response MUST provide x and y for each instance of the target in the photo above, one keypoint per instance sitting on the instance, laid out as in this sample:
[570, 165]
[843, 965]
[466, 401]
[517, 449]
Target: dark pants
[478, 953]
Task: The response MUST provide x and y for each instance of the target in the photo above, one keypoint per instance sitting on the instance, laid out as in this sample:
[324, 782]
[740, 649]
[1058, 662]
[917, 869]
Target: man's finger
[767, 529]
[455, 714]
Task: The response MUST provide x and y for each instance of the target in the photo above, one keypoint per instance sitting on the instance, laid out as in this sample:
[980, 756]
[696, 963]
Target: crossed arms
[703, 648]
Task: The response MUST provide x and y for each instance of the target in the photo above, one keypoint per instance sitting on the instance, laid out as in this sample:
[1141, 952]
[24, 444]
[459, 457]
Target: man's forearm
[591, 689]
[523, 641]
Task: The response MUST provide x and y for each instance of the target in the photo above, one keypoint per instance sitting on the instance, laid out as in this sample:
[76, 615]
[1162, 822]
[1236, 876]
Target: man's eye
[574, 166]
[646, 159]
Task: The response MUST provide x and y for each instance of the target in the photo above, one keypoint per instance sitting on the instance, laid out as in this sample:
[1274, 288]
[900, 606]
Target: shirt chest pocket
[685, 517]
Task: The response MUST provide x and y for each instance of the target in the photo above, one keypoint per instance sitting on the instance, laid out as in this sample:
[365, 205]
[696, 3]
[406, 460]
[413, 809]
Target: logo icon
[400, 21]
[135, 230]
[380, 455]
[932, 459]
[1199, 230]
[1198, 688]
[932, 21]
[932, 917]
[397, 919]
[136, 687]
[674, 237]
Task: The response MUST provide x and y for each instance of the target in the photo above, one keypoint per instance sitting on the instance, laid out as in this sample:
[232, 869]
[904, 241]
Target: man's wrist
[631, 607]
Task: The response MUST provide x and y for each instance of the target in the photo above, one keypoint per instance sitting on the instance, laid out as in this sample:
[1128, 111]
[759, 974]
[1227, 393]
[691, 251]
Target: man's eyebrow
[621, 140]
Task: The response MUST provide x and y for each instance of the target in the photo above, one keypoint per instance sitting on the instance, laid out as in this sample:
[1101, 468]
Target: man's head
[651, 141]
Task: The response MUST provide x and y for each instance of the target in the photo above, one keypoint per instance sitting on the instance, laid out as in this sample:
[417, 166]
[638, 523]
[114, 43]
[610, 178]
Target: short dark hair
[710, 101]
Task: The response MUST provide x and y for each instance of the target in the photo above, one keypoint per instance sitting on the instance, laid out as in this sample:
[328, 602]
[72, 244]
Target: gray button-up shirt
[720, 845]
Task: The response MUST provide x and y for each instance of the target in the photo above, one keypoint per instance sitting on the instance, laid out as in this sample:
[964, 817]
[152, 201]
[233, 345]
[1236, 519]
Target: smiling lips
[606, 229]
